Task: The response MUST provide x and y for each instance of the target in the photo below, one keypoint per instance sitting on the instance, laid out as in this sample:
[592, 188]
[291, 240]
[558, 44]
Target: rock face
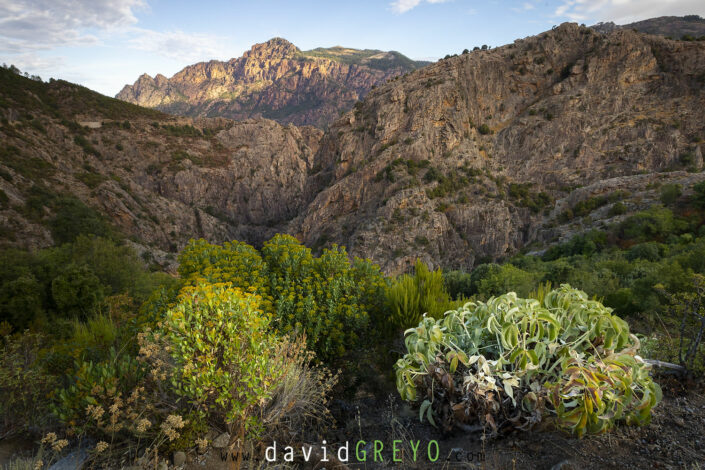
[273, 80]
[467, 160]
[460, 161]
[673, 26]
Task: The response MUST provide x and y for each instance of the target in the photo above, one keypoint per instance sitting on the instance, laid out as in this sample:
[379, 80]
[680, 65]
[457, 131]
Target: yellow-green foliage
[224, 353]
[565, 356]
[409, 297]
[235, 262]
[101, 385]
[327, 297]
[24, 387]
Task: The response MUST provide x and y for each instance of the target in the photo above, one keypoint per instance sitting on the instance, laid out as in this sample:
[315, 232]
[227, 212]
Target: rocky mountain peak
[274, 79]
[272, 50]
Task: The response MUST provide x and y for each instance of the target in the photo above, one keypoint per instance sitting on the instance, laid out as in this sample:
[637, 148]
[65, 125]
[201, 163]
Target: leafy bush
[649, 251]
[586, 206]
[656, 222]
[447, 185]
[98, 387]
[225, 355]
[70, 281]
[586, 244]
[74, 218]
[534, 201]
[484, 129]
[410, 297]
[92, 180]
[504, 278]
[562, 356]
[699, 197]
[618, 208]
[76, 291]
[24, 386]
[186, 130]
[86, 145]
[670, 193]
[458, 284]
[20, 300]
[689, 308]
[327, 298]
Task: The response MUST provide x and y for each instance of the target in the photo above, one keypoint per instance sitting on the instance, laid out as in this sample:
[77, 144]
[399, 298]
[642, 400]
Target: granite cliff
[274, 80]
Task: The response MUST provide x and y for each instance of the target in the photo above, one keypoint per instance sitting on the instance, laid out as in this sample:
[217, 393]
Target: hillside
[467, 160]
[676, 27]
[273, 80]
[70, 154]
[480, 155]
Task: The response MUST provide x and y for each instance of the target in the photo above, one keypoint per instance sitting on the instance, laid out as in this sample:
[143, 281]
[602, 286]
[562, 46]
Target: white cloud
[627, 11]
[189, 47]
[402, 6]
[37, 65]
[526, 6]
[31, 25]
[32, 30]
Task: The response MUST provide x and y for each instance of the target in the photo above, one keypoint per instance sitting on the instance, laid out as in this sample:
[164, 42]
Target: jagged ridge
[273, 80]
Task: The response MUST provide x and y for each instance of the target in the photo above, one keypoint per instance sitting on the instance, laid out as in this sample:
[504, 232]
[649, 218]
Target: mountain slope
[469, 159]
[675, 27]
[68, 154]
[274, 80]
[476, 156]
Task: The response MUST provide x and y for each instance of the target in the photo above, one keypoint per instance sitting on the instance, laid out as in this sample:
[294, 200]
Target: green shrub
[654, 223]
[688, 308]
[618, 208]
[447, 185]
[410, 297]
[86, 145]
[94, 400]
[20, 300]
[225, 355]
[458, 284]
[586, 244]
[527, 359]
[507, 278]
[24, 385]
[586, 206]
[699, 196]
[181, 131]
[76, 291]
[92, 180]
[327, 298]
[484, 129]
[74, 218]
[670, 193]
[72, 280]
[649, 251]
[534, 201]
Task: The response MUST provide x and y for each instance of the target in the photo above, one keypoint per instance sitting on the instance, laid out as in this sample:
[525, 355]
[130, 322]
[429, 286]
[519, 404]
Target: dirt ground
[675, 439]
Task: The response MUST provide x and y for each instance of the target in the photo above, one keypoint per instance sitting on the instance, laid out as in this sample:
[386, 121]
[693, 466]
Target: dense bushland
[335, 302]
[137, 360]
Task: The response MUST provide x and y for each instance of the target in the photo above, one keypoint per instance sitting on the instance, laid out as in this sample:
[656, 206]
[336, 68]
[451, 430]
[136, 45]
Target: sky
[105, 44]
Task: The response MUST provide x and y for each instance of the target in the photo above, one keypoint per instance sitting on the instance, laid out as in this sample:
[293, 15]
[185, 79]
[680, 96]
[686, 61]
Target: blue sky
[105, 44]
